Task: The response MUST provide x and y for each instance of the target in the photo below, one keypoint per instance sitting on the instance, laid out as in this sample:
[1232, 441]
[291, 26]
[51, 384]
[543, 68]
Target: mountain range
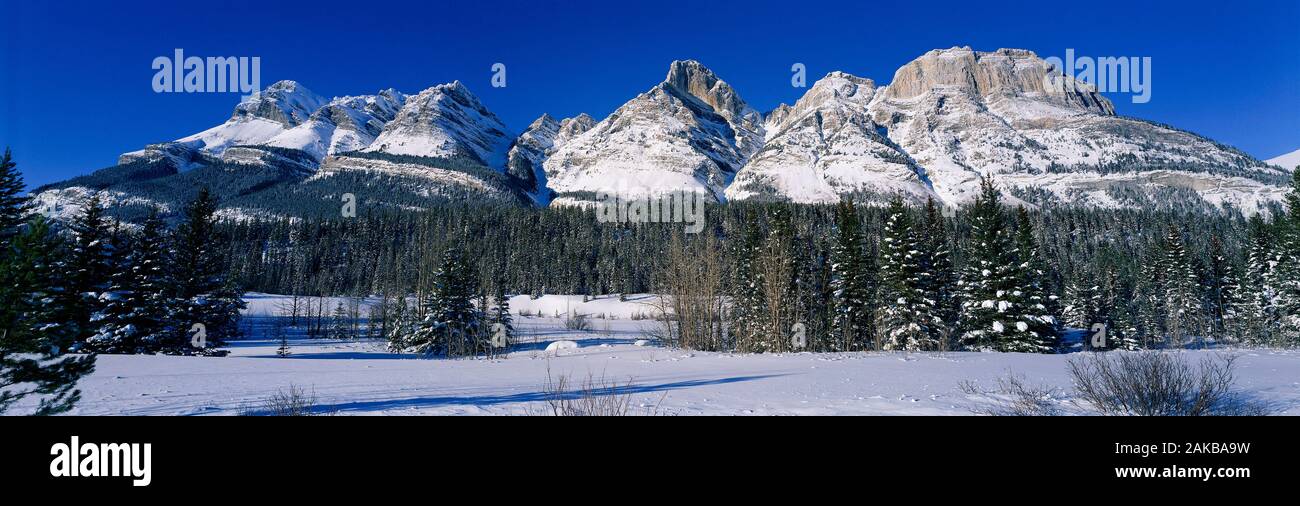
[947, 119]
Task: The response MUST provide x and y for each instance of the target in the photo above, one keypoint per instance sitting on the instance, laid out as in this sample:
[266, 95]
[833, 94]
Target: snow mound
[561, 345]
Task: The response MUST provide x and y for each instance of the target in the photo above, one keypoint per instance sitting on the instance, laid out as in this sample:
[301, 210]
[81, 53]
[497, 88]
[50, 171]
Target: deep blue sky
[75, 76]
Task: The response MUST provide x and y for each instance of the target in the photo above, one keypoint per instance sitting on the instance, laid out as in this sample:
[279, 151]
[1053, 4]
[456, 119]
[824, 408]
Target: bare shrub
[691, 305]
[1152, 383]
[594, 397]
[1016, 398]
[292, 402]
[577, 321]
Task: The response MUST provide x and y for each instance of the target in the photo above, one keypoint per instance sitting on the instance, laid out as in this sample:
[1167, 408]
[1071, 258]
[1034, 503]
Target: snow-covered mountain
[946, 119]
[827, 147]
[1288, 161]
[263, 116]
[962, 114]
[446, 121]
[344, 124]
[541, 139]
[690, 132]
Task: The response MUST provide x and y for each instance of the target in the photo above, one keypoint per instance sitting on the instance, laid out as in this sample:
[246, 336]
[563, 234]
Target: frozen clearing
[360, 377]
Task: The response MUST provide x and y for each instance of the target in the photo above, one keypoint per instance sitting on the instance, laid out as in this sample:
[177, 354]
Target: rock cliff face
[538, 142]
[826, 147]
[962, 114]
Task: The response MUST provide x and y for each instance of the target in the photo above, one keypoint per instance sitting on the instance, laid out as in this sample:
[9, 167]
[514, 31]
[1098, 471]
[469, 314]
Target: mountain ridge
[947, 119]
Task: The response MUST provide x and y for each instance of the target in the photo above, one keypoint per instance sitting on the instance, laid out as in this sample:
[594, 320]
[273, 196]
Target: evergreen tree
[340, 323]
[1288, 269]
[451, 325]
[940, 282]
[206, 304]
[36, 323]
[91, 266]
[1263, 317]
[13, 205]
[904, 318]
[993, 310]
[850, 282]
[1037, 308]
[501, 313]
[114, 331]
[1181, 297]
[150, 285]
[747, 299]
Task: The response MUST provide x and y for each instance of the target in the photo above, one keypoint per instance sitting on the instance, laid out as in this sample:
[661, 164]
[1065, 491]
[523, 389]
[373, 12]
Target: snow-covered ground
[361, 377]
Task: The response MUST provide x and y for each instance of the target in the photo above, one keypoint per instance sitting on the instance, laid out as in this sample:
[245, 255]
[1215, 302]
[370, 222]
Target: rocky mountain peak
[1014, 73]
[286, 102]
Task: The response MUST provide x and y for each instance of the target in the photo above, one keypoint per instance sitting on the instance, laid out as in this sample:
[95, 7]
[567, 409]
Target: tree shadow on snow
[526, 397]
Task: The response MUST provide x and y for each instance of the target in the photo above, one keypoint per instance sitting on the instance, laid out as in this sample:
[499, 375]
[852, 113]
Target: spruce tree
[206, 305]
[150, 284]
[940, 282]
[747, 305]
[1181, 290]
[850, 283]
[13, 204]
[501, 314]
[904, 318]
[1288, 269]
[37, 309]
[114, 331]
[451, 325]
[91, 266]
[1037, 323]
[990, 279]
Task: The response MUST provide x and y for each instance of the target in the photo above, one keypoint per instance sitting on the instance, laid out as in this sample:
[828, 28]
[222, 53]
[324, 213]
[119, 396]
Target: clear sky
[75, 76]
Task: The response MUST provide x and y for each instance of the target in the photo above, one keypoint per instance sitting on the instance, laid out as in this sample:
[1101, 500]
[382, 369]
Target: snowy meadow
[361, 377]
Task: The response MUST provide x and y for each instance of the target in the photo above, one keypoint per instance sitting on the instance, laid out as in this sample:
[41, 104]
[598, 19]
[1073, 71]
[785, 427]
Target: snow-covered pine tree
[850, 283]
[451, 325]
[1219, 291]
[904, 317]
[340, 323]
[1262, 275]
[403, 325]
[1082, 294]
[989, 279]
[1288, 269]
[91, 266]
[1036, 307]
[204, 299]
[36, 323]
[940, 285]
[1182, 299]
[114, 332]
[501, 312]
[747, 300]
[150, 284]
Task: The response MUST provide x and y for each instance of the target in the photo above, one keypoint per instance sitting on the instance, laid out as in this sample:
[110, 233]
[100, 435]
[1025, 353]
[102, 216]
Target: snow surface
[361, 377]
[1288, 161]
